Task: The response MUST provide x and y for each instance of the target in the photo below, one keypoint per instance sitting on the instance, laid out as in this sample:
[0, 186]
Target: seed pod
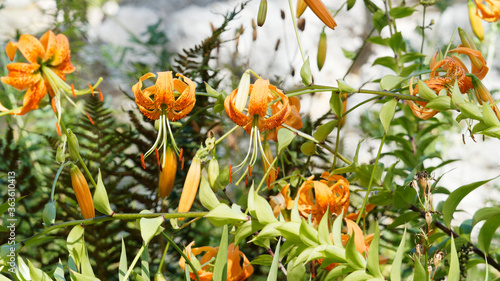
[167, 173]
[301, 7]
[321, 50]
[74, 147]
[190, 186]
[261, 16]
[475, 21]
[82, 192]
[213, 173]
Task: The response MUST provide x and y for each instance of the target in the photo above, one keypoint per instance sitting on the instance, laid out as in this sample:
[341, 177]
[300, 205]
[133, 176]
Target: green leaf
[263, 209]
[285, 137]
[323, 230]
[381, 198]
[308, 148]
[123, 267]
[454, 273]
[145, 264]
[484, 214]
[379, 20]
[401, 12]
[390, 82]
[412, 56]
[364, 172]
[359, 275]
[388, 62]
[80, 277]
[59, 272]
[85, 267]
[266, 260]
[398, 260]
[419, 272]
[402, 219]
[387, 113]
[207, 196]
[470, 110]
[76, 244]
[295, 273]
[487, 232]
[396, 42]
[354, 258]
[305, 73]
[222, 215]
[345, 88]
[349, 54]
[425, 92]
[450, 205]
[441, 103]
[3, 278]
[324, 130]
[101, 201]
[49, 213]
[372, 262]
[291, 231]
[339, 270]
[337, 230]
[220, 269]
[403, 197]
[308, 234]
[273, 272]
[379, 40]
[219, 104]
[246, 229]
[350, 4]
[37, 274]
[150, 228]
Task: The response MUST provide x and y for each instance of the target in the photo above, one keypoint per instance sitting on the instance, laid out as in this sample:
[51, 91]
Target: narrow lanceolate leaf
[390, 82]
[101, 201]
[323, 230]
[398, 260]
[37, 274]
[285, 137]
[337, 230]
[220, 269]
[59, 272]
[454, 273]
[305, 73]
[75, 244]
[487, 231]
[484, 214]
[418, 272]
[372, 264]
[354, 258]
[207, 196]
[450, 205]
[308, 234]
[80, 277]
[387, 113]
[336, 104]
[122, 268]
[145, 264]
[324, 130]
[149, 228]
[273, 272]
[222, 215]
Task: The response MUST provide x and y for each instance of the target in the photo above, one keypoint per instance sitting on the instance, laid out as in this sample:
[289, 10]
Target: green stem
[318, 88]
[162, 261]
[359, 52]
[132, 265]
[362, 210]
[55, 180]
[337, 143]
[296, 30]
[183, 255]
[113, 217]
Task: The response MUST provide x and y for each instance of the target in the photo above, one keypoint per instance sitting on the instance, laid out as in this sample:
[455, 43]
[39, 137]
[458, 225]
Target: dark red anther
[249, 170]
[142, 162]
[100, 94]
[158, 158]
[231, 173]
[90, 118]
[73, 90]
[91, 89]
[58, 128]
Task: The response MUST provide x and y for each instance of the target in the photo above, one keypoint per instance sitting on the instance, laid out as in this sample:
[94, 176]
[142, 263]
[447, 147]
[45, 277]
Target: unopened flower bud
[82, 192]
[469, 43]
[483, 95]
[305, 73]
[74, 147]
[213, 173]
[167, 173]
[438, 257]
[322, 12]
[49, 213]
[243, 91]
[321, 50]
[262, 14]
[159, 277]
[301, 24]
[475, 21]
[301, 7]
[190, 186]
[61, 150]
[428, 219]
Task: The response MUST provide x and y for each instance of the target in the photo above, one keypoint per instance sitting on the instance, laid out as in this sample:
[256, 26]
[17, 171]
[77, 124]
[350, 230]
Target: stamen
[182, 163]
[180, 154]
[90, 118]
[158, 158]
[73, 90]
[91, 89]
[249, 170]
[277, 171]
[53, 104]
[231, 173]
[100, 94]
[142, 162]
[58, 128]
[246, 181]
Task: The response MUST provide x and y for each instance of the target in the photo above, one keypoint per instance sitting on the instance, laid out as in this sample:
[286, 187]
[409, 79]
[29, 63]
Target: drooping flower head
[47, 63]
[238, 266]
[168, 99]
[488, 10]
[257, 119]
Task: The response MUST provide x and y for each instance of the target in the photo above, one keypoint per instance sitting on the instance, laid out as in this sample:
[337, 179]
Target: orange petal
[22, 75]
[164, 90]
[142, 98]
[29, 46]
[233, 113]
[359, 239]
[321, 12]
[257, 104]
[190, 186]
[279, 117]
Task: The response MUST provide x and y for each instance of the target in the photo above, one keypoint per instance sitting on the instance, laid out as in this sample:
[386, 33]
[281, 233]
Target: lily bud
[74, 147]
[301, 7]
[267, 160]
[49, 213]
[213, 173]
[469, 43]
[167, 173]
[82, 192]
[322, 12]
[190, 186]
[483, 95]
[243, 90]
[159, 277]
[61, 150]
[261, 16]
[475, 21]
[321, 50]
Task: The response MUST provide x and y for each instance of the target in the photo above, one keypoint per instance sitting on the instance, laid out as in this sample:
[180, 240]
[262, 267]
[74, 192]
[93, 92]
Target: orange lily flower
[237, 270]
[281, 201]
[489, 11]
[164, 106]
[418, 107]
[255, 121]
[330, 193]
[48, 62]
[293, 119]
